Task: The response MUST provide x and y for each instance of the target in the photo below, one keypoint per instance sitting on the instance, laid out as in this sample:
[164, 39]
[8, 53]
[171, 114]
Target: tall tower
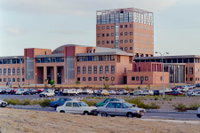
[128, 29]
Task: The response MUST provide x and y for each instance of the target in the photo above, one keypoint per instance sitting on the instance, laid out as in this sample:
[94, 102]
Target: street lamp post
[35, 79]
[162, 70]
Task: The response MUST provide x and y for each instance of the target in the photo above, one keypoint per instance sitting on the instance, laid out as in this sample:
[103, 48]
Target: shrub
[138, 102]
[90, 103]
[154, 106]
[107, 86]
[156, 98]
[45, 102]
[26, 102]
[194, 106]
[180, 107]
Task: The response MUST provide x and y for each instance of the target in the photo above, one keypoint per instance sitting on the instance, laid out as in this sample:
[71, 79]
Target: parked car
[107, 100]
[156, 92]
[57, 91]
[120, 108]
[95, 92]
[103, 93]
[3, 103]
[87, 91]
[79, 91]
[197, 85]
[175, 93]
[189, 93]
[112, 92]
[76, 107]
[60, 102]
[198, 112]
[13, 91]
[147, 92]
[166, 90]
[47, 93]
[6, 91]
[136, 93]
[20, 92]
[190, 86]
[185, 88]
[195, 94]
[30, 92]
[123, 92]
[40, 90]
[1, 90]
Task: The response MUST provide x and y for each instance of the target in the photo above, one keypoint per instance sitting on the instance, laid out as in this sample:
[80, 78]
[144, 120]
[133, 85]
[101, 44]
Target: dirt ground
[16, 121]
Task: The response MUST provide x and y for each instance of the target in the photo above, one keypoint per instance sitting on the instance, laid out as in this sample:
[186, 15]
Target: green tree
[77, 82]
[138, 87]
[52, 83]
[106, 86]
[148, 85]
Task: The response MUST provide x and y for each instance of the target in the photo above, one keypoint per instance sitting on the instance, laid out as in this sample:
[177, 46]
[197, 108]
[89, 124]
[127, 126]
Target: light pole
[162, 70]
[35, 79]
[28, 78]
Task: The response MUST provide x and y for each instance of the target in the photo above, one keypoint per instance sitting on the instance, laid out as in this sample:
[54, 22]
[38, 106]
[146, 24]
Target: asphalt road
[171, 116]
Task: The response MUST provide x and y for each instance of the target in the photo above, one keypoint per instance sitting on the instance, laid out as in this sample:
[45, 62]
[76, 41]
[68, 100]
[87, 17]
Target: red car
[13, 91]
[40, 90]
[175, 93]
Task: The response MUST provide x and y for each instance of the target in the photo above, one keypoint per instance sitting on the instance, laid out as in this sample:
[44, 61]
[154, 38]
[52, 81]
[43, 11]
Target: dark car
[197, 85]
[156, 92]
[30, 92]
[175, 93]
[59, 102]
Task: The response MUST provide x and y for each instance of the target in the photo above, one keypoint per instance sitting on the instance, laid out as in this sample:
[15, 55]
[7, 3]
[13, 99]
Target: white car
[20, 92]
[166, 90]
[185, 88]
[147, 92]
[3, 103]
[76, 107]
[87, 91]
[198, 112]
[196, 93]
[189, 93]
[79, 91]
[72, 92]
[47, 93]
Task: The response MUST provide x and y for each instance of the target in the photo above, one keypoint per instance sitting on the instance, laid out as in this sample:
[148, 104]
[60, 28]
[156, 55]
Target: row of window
[95, 70]
[123, 41]
[125, 26]
[96, 58]
[139, 41]
[9, 80]
[8, 72]
[126, 48]
[95, 79]
[139, 34]
[177, 60]
[137, 78]
[143, 49]
[125, 33]
[49, 60]
[11, 61]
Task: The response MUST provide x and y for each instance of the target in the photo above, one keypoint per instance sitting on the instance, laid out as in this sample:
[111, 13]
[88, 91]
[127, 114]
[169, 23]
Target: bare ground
[14, 121]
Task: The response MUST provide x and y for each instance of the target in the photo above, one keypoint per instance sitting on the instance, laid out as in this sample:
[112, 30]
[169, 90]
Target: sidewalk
[173, 121]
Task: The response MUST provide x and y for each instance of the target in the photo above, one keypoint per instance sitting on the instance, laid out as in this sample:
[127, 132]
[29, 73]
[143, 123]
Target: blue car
[59, 102]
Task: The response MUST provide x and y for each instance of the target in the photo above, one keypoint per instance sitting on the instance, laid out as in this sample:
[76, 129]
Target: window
[112, 69]
[107, 27]
[126, 33]
[4, 71]
[13, 71]
[146, 78]
[22, 71]
[191, 79]
[131, 48]
[85, 58]
[106, 69]
[112, 27]
[191, 70]
[95, 78]
[121, 48]
[78, 79]
[89, 79]
[0, 71]
[90, 57]
[9, 71]
[100, 78]
[131, 33]
[9, 61]
[68, 104]
[112, 34]
[103, 35]
[9, 79]
[84, 79]
[84, 70]
[43, 60]
[4, 61]
[53, 60]
[112, 42]
[126, 26]
[78, 70]
[0, 80]
[133, 78]
[101, 69]
[107, 42]
[107, 34]
[142, 78]
[18, 79]
[89, 70]
[13, 79]
[121, 34]
[112, 57]
[95, 58]
[126, 41]
[98, 42]
[95, 69]
[103, 42]
[121, 41]
[23, 80]
[137, 78]
[103, 27]
[131, 40]
[98, 35]
[4, 80]
[75, 105]
[121, 26]
[131, 25]
[98, 27]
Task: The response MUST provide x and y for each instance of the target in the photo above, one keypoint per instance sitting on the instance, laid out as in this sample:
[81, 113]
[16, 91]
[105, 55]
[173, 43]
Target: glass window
[75, 105]
[107, 42]
[84, 70]
[38, 60]
[9, 71]
[107, 34]
[53, 60]
[84, 79]
[131, 25]
[95, 78]
[103, 27]
[89, 70]
[1, 61]
[121, 26]
[121, 41]
[131, 33]
[126, 26]
[48, 60]
[9, 61]
[98, 35]
[112, 34]
[103, 42]
[133, 78]
[0, 71]
[112, 42]
[102, 34]
[78, 70]
[13, 79]
[112, 57]
[107, 27]
[23, 79]
[4, 61]
[191, 70]
[14, 61]
[0, 80]
[13, 71]
[142, 78]
[126, 48]
[42, 60]
[126, 33]
[121, 34]
[79, 58]
[131, 48]
[85, 58]
[106, 69]
[95, 69]
[126, 41]
[95, 58]
[4, 80]
[100, 78]
[22, 71]
[137, 78]
[90, 58]
[101, 58]
[89, 79]
[4, 71]
[131, 40]
[58, 59]
[110, 105]
[18, 71]
[9, 80]
[112, 69]
[112, 27]
[101, 69]
[68, 104]
[146, 78]
[18, 79]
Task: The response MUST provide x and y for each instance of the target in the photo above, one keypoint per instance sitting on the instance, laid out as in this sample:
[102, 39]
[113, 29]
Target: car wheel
[85, 113]
[104, 115]
[112, 116]
[62, 111]
[139, 116]
[130, 115]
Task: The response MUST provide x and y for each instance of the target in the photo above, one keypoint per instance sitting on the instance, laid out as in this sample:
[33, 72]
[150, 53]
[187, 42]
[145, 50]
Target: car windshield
[82, 104]
[127, 105]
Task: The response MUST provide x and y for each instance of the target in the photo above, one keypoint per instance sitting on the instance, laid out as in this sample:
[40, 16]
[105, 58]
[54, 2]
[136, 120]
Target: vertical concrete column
[55, 74]
[44, 73]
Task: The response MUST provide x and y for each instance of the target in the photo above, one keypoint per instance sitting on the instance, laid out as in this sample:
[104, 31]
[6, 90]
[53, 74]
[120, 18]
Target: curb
[171, 111]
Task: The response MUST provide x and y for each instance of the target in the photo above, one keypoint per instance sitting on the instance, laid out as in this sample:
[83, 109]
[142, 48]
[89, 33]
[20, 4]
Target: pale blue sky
[51, 23]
